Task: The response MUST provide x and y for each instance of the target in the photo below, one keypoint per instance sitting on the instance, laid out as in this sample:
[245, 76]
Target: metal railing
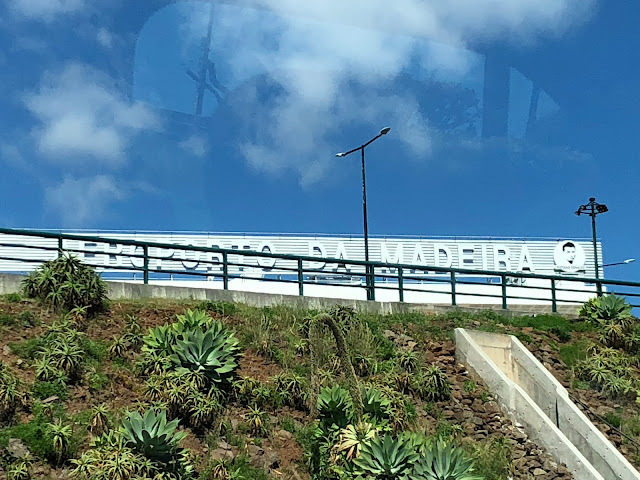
[305, 275]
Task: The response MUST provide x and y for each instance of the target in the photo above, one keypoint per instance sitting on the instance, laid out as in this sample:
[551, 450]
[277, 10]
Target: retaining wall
[10, 283]
[530, 395]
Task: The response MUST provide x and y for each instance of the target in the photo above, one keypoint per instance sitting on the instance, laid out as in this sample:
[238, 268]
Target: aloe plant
[151, 435]
[352, 438]
[67, 284]
[213, 352]
[386, 459]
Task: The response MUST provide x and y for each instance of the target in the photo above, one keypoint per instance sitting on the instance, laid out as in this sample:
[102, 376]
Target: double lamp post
[369, 274]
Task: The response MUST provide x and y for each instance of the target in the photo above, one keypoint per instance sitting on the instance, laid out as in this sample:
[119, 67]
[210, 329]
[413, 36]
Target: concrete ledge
[10, 283]
[530, 395]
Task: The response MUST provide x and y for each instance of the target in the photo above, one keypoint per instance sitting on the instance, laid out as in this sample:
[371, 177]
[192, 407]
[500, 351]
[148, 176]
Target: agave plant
[335, 407]
[159, 340]
[193, 320]
[386, 458]
[443, 461]
[151, 435]
[376, 407]
[213, 352]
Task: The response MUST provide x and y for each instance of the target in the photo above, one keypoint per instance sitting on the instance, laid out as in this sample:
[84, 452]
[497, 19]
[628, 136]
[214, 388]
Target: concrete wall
[10, 283]
[533, 397]
[554, 399]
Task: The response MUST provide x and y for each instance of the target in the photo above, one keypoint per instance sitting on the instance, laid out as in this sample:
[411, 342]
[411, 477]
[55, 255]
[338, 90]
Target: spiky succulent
[335, 407]
[444, 461]
[213, 352]
[386, 458]
[352, 438]
[151, 435]
[67, 284]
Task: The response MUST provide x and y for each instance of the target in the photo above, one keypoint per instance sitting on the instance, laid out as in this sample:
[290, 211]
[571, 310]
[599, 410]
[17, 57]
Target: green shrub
[110, 458]
[42, 390]
[27, 349]
[39, 438]
[67, 283]
[605, 308]
[492, 458]
[11, 396]
[98, 381]
[7, 320]
[573, 353]
[224, 309]
[432, 384]
[11, 297]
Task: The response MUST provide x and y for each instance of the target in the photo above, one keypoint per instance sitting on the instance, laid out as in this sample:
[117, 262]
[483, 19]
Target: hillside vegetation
[98, 389]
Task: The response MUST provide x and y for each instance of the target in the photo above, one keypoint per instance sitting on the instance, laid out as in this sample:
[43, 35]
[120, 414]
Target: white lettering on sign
[266, 262]
[465, 256]
[316, 249]
[518, 255]
[418, 257]
[385, 256]
[524, 263]
[441, 250]
[501, 257]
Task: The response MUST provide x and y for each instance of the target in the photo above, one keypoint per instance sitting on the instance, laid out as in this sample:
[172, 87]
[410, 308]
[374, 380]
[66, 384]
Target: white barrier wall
[535, 399]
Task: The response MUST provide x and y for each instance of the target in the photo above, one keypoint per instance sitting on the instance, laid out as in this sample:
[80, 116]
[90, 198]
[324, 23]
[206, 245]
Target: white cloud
[105, 38]
[46, 10]
[77, 201]
[332, 71]
[195, 145]
[82, 116]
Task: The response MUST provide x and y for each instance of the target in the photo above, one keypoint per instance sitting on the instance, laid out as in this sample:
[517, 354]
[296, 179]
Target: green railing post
[453, 289]
[60, 249]
[400, 284]
[599, 288]
[372, 282]
[225, 270]
[554, 302]
[145, 251]
[300, 278]
[504, 291]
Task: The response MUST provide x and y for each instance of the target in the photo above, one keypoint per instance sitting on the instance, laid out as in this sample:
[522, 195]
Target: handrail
[401, 272]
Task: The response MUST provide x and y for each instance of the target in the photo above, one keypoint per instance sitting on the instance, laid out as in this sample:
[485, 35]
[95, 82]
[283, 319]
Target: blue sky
[96, 132]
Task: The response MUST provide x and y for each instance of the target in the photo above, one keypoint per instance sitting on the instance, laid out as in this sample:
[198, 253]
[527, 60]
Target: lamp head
[385, 130]
[340, 154]
[629, 260]
[602, 208]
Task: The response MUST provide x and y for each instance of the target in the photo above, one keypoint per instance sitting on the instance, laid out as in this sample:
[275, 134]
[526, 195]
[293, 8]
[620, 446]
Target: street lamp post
[592, 209]
[369, 280]
[624, 262]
